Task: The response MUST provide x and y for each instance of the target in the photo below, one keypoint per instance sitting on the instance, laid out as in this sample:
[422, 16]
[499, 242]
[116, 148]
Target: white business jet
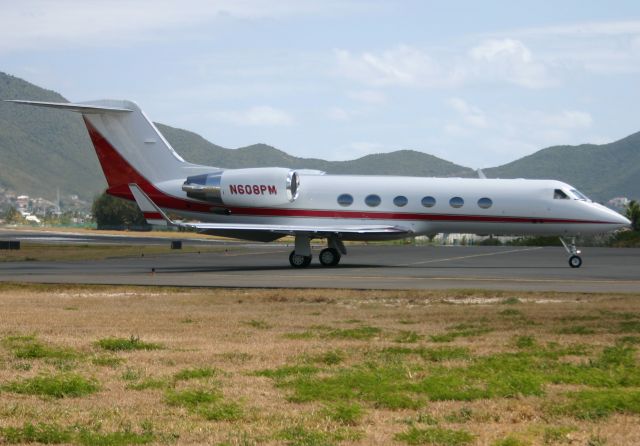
[265, 204]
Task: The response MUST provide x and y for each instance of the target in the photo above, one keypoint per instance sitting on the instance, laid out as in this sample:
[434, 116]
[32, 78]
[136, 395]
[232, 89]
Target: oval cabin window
[345, 200]
[428, 202]
[456, 202]
[372, 200]
[485, 203]
[400, 201]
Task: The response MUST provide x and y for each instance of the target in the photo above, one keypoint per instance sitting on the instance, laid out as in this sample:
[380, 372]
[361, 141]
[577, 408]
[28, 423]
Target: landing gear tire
[299, 261]
[575, 261]
[329, 257]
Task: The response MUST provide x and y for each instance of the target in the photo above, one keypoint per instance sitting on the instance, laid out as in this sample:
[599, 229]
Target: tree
[12, 216]
[632, 212]
[115, 213]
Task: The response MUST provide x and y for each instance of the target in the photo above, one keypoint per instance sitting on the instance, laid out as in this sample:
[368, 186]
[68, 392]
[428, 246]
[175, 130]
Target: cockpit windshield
[569, 194]
[579, 195]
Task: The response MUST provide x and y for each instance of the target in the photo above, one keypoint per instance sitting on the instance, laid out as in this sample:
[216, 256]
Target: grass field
[97, 365]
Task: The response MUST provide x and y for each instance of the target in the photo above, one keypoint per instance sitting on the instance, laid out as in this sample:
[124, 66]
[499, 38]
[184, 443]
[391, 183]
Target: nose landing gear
[575, 261]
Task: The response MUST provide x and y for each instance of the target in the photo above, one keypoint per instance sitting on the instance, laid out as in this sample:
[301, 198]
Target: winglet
[152, 213]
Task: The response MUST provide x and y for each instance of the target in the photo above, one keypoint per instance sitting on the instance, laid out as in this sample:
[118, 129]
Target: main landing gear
[575, 261]
[301, 257]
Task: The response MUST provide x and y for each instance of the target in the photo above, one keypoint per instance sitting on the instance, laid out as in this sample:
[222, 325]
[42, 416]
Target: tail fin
[129, 146]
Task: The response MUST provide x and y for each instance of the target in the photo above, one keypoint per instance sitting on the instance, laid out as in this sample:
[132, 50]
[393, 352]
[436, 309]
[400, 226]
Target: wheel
[329, 257]
[575, 261]
[299, 261]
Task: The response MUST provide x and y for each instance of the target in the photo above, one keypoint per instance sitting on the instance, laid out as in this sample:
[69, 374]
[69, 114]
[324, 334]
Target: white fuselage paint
[519, 206]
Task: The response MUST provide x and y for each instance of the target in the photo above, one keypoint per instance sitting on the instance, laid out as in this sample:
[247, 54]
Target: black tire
[575, 261]
[299, 261]
[329, 257]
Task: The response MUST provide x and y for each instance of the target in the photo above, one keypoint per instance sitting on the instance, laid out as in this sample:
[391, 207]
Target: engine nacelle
[264, 186]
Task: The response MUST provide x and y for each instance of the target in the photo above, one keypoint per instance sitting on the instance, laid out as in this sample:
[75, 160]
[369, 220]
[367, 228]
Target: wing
[265, 232]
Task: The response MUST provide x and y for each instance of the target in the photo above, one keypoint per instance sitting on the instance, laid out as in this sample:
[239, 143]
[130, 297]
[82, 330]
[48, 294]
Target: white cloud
[491, 61]
[37, 24]
[403, 65]
[471, 115]
[568, 119]
[255, 116]
[510, 60]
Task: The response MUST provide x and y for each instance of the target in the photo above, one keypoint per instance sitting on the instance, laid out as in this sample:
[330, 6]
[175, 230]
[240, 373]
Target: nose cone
[613, 218]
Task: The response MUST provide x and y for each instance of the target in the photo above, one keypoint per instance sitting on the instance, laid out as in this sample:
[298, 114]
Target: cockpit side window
[559, 194]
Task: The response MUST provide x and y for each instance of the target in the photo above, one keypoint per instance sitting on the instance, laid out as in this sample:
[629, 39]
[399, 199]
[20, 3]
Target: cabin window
[456, 202]
[559, 194]
[485, 203]
[372, 200]
[400, 201]
[428, 202]
[345, 200]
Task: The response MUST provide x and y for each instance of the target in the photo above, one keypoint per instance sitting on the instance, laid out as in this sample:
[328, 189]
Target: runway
[365, 267]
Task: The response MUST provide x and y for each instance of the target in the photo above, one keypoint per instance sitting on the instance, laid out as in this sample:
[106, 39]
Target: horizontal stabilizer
[81, 108]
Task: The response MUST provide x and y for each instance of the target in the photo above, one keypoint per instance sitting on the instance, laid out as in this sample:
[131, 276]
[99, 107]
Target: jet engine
[265, 186]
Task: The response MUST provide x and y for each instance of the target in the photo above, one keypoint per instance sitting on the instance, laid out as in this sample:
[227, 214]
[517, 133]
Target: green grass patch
[577, 329]
[199, 373]
[301, 436]
[557, 434]
[510, 441]
[597, 404]
[435, 436]
[285, 372]
[407, 337]
[209, 404]
[119, 438]
[363, 333]
[255, 323]
[629, 327]
[523, 342]
[191, 397]
[149, 384]
[511, 301]
[344, 413]
[126, 344]
[301, 335]
[107, 361]
[461, 331]
[221, 411]
[56, 386]
[511, 312]
[28, 347]
[332, 357]
[35, 433]
[631, 340]
[431, 354]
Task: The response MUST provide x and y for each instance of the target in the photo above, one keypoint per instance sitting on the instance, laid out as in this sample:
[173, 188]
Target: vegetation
[56, 386]
[632, 212]
[520, 381]
[115, 213]
[131, 343]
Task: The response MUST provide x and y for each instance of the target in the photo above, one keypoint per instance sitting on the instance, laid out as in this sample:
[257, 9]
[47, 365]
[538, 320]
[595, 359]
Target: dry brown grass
[238, 332]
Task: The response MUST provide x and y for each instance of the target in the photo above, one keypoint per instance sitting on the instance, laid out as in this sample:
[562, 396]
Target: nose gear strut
[575, 261]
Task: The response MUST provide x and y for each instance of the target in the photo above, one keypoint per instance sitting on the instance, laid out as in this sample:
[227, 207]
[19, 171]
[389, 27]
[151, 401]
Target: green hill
[600, 171]
[42, 150]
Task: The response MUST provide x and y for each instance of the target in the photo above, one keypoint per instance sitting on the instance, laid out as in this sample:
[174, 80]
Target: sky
[477, 83]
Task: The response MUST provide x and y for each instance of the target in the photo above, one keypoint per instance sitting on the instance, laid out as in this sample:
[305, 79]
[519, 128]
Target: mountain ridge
[42, 150]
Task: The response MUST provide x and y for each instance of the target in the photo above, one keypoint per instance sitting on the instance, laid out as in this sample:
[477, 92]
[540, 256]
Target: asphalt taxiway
[365, 267]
